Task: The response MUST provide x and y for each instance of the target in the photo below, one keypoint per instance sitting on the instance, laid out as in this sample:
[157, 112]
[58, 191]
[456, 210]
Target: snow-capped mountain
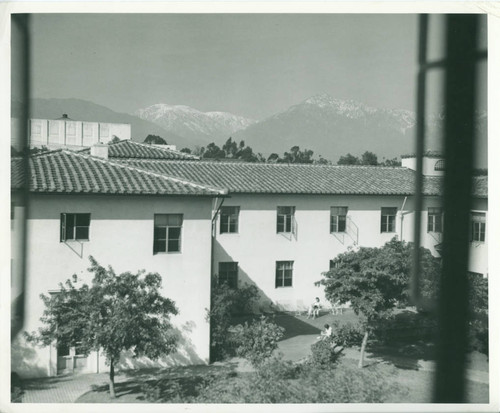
[333, 127]
[203, 127]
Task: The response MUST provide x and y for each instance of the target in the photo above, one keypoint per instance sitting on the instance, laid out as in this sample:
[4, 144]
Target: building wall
[428, 165]
[257, 246]
[121, 235]
[57, 133]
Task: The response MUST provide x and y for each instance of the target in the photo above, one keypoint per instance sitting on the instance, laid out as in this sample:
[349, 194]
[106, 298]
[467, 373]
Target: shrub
[226, 303]
[257, 341]
[324, 354]
[348, 334]
[284, 383]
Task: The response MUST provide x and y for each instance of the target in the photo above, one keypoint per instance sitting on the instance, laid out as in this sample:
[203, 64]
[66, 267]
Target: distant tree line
[367, 158]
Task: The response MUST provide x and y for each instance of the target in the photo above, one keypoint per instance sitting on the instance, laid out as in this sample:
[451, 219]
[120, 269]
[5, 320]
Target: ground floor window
[478, 226]
[228, 274]
[388, 220]
[284, 273]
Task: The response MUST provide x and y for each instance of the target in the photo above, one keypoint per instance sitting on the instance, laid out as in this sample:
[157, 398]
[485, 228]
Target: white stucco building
[277, 226]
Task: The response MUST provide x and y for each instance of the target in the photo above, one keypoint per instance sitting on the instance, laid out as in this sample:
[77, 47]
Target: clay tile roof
[433, 185]
[289, 178]
[64, 171]
[135, 150]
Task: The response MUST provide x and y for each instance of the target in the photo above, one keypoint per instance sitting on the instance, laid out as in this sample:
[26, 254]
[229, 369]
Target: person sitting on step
[314, 309]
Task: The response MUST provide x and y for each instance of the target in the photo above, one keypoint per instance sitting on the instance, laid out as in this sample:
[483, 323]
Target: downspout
[214, 232]
[402, 217]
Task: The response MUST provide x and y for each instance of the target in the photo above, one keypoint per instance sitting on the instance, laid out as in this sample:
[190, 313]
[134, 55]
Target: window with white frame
[284, 274]
[338, 217]
[435, 220]
[388, 219]
[75, 227]
[229, 219]
[167, 233]
[285, 219]
[478, 226]
[228, 274]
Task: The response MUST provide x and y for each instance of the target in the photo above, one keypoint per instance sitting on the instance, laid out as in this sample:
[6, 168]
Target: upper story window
[228, 274]
[439, 165]
[478, 226]
[388, 220]
[285, 221]
[75, 227]
[284, 274]
[229, 219]
[167, 233]
[338, 216]
[435, 220]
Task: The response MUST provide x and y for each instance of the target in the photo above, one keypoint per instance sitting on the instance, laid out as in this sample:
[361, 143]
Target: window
[228, 273]
[285, 219]
[334, 264]
[388, 221]
[338, 217]
[167, 233]
[478, 226]
[229, 220]
[439, 166]
[75, 227]
[284, 273]
[435, 220]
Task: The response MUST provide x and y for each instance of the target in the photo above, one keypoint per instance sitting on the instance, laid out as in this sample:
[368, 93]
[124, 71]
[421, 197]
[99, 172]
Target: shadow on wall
[24, 360]
[185, 354]
[264, 303]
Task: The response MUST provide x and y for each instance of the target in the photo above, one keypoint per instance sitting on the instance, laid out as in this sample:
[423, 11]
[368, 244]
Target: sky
[248, 64]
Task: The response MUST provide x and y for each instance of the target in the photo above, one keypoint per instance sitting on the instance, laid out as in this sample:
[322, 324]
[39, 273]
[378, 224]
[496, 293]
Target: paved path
[63, 389]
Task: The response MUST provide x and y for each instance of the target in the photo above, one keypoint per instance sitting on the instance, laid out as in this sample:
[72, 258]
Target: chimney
[99, 150]
[65, 116]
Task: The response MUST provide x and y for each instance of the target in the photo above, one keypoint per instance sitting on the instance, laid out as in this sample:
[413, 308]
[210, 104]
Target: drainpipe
[214, 232]
[402, 217]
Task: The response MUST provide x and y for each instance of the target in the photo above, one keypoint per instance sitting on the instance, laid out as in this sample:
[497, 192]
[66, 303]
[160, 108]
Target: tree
[297, 156]
[115, 139]
[114, 314]
[322, 161]
[369, 158]
[186, 150]
[230, 148]
[155, 139]
[348, 160]
[375, 280]
[273, 158]
[390, 162]
[213, 152]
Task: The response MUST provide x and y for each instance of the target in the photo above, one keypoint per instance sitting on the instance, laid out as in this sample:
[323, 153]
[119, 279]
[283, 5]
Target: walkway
[62, 389]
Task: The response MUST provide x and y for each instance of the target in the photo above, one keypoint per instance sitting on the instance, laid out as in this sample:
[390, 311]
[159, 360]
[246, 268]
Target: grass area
[398, 372]
[183, 384]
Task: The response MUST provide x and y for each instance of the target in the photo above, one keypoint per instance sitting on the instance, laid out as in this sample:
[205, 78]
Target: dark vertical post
[20, 63]
[421, 86]
[460, 100]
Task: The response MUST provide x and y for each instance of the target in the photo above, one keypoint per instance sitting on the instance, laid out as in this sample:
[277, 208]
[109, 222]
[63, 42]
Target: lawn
[402, 367]
[181, 384]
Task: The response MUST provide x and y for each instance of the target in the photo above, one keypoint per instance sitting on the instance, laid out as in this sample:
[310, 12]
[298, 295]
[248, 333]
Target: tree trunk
[363, 347]
[112, 379]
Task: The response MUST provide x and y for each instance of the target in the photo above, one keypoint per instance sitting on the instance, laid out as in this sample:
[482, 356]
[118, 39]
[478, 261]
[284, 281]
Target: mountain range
[330, 127]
